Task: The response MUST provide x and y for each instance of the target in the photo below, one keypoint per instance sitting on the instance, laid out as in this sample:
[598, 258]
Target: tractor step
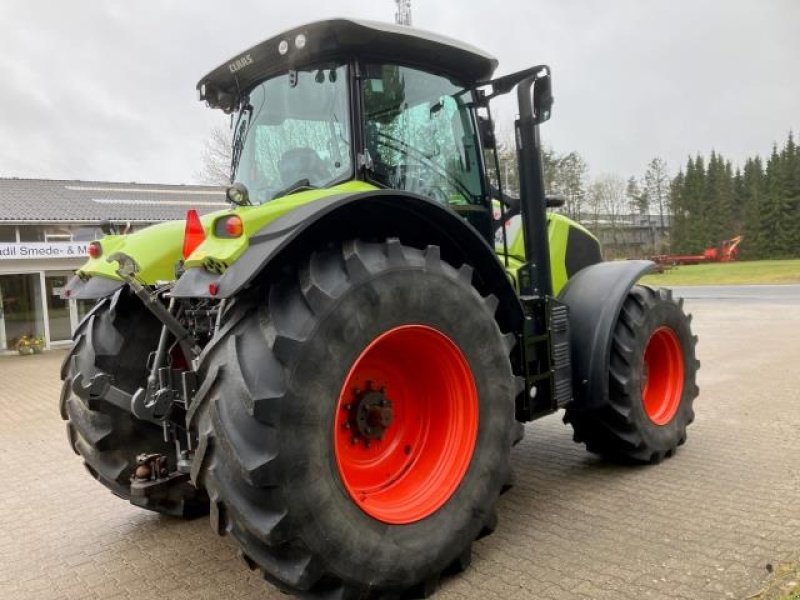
[546, 357]
[561, 365]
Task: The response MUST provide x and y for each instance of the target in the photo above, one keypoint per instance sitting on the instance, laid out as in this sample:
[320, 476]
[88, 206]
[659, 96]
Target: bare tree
[216, 169]
[570, 181]
[608, 202]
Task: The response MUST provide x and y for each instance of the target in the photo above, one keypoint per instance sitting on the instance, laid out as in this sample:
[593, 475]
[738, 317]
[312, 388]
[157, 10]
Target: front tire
[362, 337]
[652, 382]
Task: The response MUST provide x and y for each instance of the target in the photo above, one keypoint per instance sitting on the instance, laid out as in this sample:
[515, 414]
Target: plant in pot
[24, 345]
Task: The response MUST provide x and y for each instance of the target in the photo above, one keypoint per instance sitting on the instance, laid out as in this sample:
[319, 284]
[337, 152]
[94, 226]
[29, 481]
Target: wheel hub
[369, 415]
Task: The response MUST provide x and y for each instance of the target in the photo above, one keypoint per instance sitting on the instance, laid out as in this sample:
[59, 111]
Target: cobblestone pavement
[702, 525]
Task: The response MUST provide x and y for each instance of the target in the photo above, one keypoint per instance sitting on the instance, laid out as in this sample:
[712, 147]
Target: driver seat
[302, 163]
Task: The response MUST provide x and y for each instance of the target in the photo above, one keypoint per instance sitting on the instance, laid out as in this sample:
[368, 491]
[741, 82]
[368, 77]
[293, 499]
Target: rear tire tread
[250, 506]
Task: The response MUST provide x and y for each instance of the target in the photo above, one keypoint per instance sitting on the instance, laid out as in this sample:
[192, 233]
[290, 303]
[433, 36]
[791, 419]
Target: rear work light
[230, 226]
[95, 250]
[194, 234]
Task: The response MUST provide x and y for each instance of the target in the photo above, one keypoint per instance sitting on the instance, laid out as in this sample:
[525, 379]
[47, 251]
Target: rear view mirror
[542, 99]
[486, 131]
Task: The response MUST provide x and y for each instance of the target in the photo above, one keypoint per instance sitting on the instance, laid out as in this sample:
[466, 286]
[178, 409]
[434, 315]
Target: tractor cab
[340, 100]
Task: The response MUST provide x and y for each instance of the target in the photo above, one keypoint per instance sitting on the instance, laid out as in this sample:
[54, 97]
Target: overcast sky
[105, 89]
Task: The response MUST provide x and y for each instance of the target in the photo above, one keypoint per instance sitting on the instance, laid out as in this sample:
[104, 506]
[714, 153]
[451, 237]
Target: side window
[420, 134]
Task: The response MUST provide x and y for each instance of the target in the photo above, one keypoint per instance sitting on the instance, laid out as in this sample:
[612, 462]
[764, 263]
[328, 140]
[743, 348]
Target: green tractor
[337, 367]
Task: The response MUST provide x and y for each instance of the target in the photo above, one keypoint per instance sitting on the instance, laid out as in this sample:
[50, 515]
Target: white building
[45, 226]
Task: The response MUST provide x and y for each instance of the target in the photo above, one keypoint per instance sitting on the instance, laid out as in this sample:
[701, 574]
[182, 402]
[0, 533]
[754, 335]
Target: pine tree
[711, 202]
[678, 221]
[753, 184]
[788, 235]
[694, 206]
[771, 206]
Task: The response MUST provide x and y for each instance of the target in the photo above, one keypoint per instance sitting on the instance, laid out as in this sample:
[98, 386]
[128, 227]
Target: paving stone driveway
[701, 525]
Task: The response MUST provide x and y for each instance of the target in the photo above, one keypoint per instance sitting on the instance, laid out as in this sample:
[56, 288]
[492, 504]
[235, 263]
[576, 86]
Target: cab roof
[342, 39]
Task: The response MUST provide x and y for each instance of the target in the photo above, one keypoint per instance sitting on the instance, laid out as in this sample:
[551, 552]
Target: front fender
[595, 296]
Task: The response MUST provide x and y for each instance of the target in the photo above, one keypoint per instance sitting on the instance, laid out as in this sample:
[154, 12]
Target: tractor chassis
[169, 391]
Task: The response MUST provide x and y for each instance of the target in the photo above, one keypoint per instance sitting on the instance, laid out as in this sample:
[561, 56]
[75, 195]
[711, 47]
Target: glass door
[21, 309]
[58, 313]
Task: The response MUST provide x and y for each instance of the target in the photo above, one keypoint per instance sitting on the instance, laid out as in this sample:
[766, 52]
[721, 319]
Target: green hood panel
[558, 228]
[158, 248]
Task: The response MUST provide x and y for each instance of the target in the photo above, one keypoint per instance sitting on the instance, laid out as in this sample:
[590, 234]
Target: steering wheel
[437, 194]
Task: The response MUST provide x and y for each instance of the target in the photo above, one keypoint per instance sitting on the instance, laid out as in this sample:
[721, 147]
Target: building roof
[342, 39]
[48, 200]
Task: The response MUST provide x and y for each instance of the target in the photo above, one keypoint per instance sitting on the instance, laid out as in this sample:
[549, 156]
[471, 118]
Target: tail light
[95, 250]
[194, 234]
[229, 227]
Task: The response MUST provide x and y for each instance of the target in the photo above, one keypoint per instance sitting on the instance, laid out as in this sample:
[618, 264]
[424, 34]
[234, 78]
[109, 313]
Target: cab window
[420, 135]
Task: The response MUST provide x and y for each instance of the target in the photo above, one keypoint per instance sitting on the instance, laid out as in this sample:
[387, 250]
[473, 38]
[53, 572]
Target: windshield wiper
[297, 186]
[409, 150]
[242, 125]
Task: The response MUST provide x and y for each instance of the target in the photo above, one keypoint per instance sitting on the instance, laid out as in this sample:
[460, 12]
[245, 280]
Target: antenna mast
[403, 14]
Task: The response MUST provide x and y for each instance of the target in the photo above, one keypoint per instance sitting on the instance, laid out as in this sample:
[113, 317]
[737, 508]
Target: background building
[45, 226]
[630, 235]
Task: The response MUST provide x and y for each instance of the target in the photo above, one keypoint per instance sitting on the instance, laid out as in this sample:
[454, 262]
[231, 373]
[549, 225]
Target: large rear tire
[355, 425]
[113, 342]
[652, 382]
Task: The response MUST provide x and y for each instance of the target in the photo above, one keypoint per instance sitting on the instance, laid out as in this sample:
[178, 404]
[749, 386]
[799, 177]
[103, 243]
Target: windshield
[293, 132]
[420, 134]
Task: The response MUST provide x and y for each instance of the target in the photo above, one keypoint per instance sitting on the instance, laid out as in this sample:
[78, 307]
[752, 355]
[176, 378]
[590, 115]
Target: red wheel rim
[662, 377]
[406, 424]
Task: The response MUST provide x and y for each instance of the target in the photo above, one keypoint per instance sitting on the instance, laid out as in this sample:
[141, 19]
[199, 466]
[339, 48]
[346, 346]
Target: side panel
[582, 250]
[572, 247]
[595, 296]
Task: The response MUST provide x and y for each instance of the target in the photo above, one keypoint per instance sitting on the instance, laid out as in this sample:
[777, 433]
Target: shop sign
[43, 250]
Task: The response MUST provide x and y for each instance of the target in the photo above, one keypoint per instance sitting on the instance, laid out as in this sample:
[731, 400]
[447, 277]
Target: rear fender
[595, 296]
[373, 215]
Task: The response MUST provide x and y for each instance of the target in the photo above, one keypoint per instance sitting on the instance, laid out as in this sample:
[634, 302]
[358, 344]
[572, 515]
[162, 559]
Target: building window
[8, 234]
[57, 234]
[86, 233]
[31, 233]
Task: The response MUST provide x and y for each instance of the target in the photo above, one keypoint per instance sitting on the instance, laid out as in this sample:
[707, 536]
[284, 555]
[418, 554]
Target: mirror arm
[506, 83]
